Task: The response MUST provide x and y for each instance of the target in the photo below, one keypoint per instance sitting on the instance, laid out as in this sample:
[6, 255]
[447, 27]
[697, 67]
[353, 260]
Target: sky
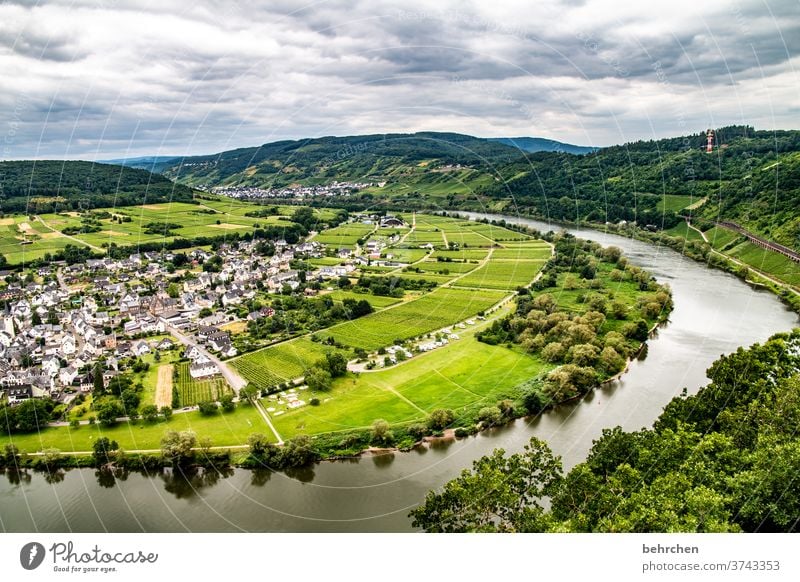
[101, 79]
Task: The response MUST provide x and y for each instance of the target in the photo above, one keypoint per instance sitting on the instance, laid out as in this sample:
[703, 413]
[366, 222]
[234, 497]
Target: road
[234, 380]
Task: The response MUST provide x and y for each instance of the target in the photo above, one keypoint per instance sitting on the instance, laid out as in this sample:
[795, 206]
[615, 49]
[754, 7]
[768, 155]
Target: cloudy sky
[98, 79]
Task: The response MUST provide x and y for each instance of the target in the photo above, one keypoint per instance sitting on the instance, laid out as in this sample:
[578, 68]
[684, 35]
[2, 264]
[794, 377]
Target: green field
[674, 202]
[502, 274]
[437, 309]
[24, 239]
[683, 230]
[464, 373]
[345, 235]
[193, 391]
[276, 364]
[230, 428]
[377, 301]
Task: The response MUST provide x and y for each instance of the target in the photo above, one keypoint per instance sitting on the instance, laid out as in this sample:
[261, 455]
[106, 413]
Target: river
[714, 314]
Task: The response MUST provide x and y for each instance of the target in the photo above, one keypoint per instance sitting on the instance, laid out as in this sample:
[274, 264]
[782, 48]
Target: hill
[54, 186]
[540, 144]
[353, 158]
[148, 163]
[751, 177]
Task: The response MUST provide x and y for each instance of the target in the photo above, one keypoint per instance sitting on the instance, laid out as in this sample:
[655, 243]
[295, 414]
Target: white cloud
[106, 78]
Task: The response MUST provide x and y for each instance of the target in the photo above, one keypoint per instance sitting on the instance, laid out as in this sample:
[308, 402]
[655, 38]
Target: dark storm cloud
[93, 78]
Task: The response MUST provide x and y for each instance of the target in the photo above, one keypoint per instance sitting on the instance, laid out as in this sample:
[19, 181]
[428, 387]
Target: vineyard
[276, 364]
[502, 274]
[192, 391]
[430, 312]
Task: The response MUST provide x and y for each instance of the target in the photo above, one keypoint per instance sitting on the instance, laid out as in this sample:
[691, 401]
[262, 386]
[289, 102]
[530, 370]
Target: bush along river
[714, 314]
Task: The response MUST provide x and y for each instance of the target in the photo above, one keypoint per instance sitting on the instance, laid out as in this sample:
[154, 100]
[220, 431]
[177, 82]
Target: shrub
[440, 419]
[490, 415]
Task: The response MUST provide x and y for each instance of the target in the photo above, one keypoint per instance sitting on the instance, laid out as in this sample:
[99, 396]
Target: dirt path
[72, 238]
[164, 386]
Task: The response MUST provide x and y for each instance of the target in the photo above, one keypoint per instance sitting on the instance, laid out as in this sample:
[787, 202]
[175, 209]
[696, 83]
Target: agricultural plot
[377, 301]
[446, 268]
[284, 361]
[192, 391]
[674, 202]
[497, 233]
[346, 235]
[502, 275]
[461, 254]
[404, 255]
[440, 308]
[527, 253]
[465, 373]
[468, 239]
[420, 237]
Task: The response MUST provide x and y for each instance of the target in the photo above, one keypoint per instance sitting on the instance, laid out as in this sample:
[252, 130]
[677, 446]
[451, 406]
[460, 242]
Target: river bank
[374, 492]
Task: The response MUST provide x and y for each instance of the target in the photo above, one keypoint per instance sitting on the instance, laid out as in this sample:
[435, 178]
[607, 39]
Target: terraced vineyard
[192, 391]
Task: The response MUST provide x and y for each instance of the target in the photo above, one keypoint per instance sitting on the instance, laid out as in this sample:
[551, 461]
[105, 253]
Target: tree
[226, 400]
[166, 412]
[336, 363]
[108, 410]
[490, 416]
[36, 319]
[380, 432]
[259, 445]
[32, 414]
[440, 419]
[318, 379]
[207, 407]
[102, 450]
[177, 447]
[150, 412]
[11, 456]
[499, 494]
[130, 401]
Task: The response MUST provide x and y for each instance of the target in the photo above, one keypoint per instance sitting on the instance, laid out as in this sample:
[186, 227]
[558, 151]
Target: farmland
[502, 274]
[25, 238]
[191, 391]
[284, 361]
[464, 374]
[435, 310]
[344, 236]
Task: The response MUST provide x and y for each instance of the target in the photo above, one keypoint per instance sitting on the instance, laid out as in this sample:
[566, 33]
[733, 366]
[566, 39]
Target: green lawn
[231, 428]
[464, 373]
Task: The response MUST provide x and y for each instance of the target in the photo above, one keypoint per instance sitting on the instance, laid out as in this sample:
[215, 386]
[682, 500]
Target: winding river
[714, 314]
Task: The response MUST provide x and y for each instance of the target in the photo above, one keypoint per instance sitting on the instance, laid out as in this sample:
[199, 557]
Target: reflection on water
[375, 494]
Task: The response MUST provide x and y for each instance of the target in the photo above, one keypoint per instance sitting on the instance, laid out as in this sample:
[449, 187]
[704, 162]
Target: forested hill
[540, 144]
[751, 177]
[50, 186]
[322, 160]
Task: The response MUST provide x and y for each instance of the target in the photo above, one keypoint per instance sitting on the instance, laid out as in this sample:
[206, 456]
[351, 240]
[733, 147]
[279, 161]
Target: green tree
[440, 419]
[102, 450]
[150, 412]
[318, 379]
[499, 494]
[177, 447]
[166, 412]
[336, 363]
[227, 403]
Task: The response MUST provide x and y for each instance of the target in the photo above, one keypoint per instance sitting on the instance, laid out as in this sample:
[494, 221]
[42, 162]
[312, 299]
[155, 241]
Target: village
[63, 324]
